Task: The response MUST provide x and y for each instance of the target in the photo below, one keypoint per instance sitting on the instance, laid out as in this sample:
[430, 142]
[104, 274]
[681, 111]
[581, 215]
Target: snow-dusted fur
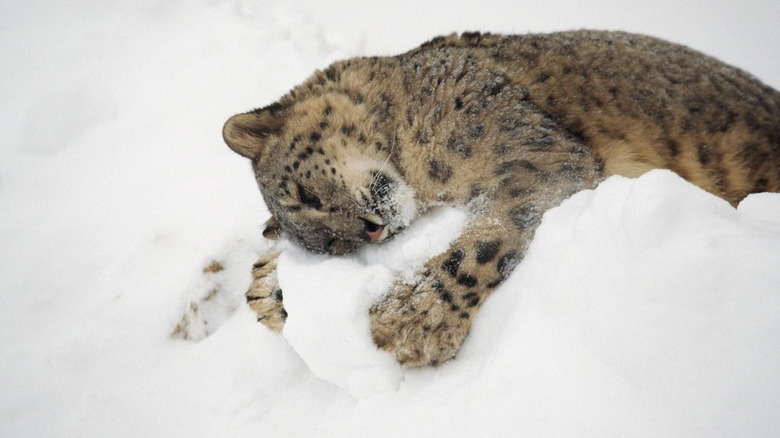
[509, 126]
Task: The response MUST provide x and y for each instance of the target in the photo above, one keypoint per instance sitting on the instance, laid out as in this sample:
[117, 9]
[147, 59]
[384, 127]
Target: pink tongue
[374, 235]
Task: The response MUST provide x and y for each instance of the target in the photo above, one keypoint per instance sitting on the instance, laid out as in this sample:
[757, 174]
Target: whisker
[375, 178]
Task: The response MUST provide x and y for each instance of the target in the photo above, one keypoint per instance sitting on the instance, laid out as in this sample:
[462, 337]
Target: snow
[328, 324]
[643, 308]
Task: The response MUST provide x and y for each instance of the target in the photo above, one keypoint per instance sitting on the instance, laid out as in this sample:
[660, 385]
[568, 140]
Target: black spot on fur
[576, 129]
[458, 103]
[695, 105]
[385, 109]
[543, 77]
[496, 87]
[354, 97]
[467, 280]
[524, 216]
[569, 171]
[501, 149]
[477, 132]
[672, 147]
[508, 124]
[494, 283]
[439, 171]
[475, 190]
[471, 299]
[537, 138]
[422, 136]
[348, 129]
[452, 264]
[456, 144]
[505, 182]
[751, 121]
[721, 121]
[704, 154]
[519, 191]
[760, 185]
[315, 136]
[487, 250]
[514, 166]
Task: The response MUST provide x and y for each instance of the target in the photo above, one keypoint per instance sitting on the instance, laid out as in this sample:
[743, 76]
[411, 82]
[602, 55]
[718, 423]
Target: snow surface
[644, 308]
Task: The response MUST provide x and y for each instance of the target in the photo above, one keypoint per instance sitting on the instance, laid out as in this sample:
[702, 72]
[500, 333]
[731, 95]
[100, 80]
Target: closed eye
[308, 198]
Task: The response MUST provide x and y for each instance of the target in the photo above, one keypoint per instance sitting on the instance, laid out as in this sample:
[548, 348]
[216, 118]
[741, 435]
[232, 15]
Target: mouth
[374, 229]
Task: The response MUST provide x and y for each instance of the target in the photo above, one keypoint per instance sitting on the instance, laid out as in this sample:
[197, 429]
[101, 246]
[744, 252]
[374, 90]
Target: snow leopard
[506, 126]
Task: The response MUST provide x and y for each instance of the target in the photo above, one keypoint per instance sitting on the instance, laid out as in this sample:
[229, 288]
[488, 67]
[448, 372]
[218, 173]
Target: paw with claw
[264, 295]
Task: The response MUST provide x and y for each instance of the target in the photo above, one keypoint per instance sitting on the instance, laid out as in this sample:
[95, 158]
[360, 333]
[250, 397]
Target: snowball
[327, 299]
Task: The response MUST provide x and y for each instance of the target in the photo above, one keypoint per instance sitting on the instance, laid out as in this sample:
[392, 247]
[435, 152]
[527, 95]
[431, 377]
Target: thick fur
[509, 126]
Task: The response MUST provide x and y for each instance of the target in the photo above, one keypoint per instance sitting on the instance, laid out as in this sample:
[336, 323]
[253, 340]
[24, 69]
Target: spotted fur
[507, 125]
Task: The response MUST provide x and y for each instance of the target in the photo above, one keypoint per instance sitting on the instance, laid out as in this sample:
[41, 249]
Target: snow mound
[328, 298]
[642, 303]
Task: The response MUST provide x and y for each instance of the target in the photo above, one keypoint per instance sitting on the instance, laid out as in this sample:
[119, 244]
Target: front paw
[420, 323]
[264, 296]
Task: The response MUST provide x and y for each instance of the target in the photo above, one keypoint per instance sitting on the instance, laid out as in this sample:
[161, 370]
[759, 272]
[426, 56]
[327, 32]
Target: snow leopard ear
[246, 133]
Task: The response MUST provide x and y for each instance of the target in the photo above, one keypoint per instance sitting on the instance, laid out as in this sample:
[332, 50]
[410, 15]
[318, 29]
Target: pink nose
[373, 236]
